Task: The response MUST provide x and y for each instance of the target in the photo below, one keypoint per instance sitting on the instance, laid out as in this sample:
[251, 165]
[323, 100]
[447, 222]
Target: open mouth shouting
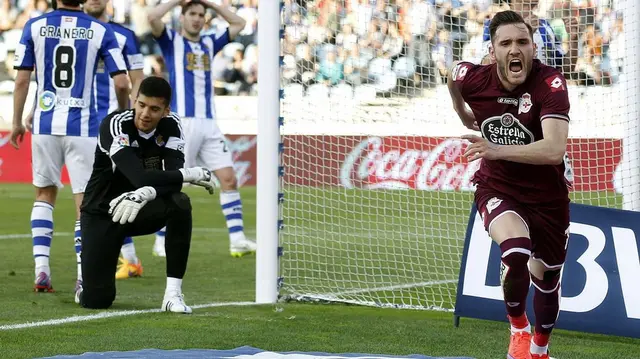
[516, 67]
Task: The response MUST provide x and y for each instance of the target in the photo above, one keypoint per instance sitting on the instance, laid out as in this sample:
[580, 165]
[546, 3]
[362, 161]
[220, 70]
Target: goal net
[377, 195]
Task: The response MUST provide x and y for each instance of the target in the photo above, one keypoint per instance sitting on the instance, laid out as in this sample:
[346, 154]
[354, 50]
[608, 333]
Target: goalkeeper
[130, 194]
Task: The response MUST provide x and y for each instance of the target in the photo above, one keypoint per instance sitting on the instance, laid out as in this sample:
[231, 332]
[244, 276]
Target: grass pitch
[214, 277]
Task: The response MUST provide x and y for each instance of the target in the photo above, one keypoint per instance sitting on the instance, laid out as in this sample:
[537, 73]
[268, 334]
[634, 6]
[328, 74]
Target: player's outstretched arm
[156, 14]
[236, 23]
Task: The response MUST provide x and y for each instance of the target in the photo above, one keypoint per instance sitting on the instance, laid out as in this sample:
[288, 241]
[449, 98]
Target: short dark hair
[191, 4]
[54, 3]
[156, 87]
[506, 18]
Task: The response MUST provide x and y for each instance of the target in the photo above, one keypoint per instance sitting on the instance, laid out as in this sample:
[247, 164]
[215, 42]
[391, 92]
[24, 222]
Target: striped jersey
[189, 65]
[105, 93]
[549, 49]
[64, 47]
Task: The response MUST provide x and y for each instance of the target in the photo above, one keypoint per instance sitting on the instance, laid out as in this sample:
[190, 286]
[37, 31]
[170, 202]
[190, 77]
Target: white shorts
[49, 153]
[205, 145]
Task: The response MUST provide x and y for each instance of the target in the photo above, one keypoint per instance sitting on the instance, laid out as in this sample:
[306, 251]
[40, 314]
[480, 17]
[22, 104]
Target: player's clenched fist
[480, 148]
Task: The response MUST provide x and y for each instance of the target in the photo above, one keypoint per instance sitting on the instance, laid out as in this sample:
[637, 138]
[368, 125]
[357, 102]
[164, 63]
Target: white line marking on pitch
[65, 234]
[103, 315]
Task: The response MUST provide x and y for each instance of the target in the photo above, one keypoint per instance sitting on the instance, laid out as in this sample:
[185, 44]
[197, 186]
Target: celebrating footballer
[521, 108]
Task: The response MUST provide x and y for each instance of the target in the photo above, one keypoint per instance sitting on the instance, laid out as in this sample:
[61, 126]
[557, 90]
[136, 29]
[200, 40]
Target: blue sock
[129, 251]
[232, 210]
[42, 232]
[77, 239]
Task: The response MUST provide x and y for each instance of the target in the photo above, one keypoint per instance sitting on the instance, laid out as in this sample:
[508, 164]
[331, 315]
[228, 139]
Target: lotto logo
[459, 72]
[556, 83]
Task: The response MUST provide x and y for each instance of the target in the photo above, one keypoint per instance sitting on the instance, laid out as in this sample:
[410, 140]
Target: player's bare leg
[546, 303]
[231, 205]
[42, 233]
[512, 234]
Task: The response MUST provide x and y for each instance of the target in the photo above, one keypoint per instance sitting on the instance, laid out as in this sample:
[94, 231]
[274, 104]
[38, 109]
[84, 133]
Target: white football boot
[174, 302]
[241, 247]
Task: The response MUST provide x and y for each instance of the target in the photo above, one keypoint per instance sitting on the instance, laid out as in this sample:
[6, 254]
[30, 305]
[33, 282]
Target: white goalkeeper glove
[126, 206]
[199, 176]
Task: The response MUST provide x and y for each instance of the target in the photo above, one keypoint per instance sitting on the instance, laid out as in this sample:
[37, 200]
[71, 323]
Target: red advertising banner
[422, 163]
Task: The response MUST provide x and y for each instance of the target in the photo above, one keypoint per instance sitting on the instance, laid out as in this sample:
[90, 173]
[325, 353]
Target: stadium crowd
[394, 45]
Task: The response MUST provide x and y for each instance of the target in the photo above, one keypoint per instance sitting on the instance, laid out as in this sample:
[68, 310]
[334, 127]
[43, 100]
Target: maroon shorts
[548, 223]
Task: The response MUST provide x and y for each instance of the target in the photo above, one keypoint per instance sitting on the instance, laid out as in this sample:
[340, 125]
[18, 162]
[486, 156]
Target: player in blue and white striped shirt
[106, 103]
[189, 57]
[64, 47]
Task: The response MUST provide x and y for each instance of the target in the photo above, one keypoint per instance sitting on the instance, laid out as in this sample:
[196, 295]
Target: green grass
[335, 240]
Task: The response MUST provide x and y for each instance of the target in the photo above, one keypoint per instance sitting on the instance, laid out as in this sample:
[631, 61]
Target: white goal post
[362, 194]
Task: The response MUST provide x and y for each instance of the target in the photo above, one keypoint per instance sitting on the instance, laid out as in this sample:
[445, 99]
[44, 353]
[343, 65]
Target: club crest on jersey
[506, 129]
[160, 141]
[525, 103]
[47, 101]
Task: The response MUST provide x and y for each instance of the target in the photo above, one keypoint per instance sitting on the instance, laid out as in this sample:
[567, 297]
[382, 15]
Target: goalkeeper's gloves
[199, 176]
[126, 206]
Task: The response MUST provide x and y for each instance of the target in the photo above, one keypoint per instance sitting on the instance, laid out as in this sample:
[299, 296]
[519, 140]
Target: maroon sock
[546, 303]
[514, 274]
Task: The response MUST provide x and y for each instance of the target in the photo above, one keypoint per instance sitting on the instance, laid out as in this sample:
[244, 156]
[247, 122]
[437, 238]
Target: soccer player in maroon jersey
[521, 108]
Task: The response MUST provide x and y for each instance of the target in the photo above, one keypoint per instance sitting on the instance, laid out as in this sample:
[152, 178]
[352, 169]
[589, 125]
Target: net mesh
[377, 194]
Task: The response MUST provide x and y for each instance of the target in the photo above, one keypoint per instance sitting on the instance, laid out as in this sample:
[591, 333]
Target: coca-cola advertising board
[424, 163]
[421, 163]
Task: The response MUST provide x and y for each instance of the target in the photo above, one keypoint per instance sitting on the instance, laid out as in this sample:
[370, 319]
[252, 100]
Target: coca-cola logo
[434, 165]
[506, 130]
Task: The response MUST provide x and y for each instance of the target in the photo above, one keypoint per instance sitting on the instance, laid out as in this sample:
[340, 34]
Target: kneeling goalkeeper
[129, 194]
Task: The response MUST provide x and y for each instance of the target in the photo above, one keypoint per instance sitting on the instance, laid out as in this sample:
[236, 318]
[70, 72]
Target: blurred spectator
[331, 71]
[8, 15]
[140, 25]
[402, 47]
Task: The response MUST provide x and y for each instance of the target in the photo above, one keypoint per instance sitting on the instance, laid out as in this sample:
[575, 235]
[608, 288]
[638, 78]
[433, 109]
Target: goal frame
[270, 146]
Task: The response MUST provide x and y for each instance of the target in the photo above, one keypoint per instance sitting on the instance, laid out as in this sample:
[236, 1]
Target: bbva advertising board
[600, 280]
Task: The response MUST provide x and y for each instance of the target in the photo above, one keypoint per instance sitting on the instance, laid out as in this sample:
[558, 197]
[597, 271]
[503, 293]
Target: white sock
[519, 330]
[160, 237]
[232, 210]
[535, 349]
[77, 240]
[173, 285]
[42, 232]
[128, 251]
